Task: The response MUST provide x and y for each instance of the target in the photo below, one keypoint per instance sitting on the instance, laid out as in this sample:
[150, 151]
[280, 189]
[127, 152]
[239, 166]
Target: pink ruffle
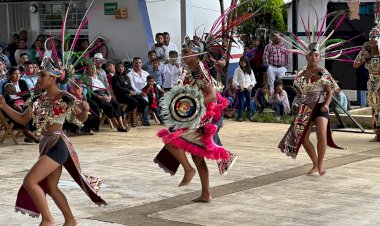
[210, 149]
[222, 104]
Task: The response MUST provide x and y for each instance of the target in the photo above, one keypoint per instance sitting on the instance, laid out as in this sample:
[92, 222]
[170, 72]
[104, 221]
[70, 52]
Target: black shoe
[146, 123]
[123, 129]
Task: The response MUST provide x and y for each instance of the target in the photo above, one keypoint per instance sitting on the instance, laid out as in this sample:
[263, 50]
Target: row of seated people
[98, 93]
[276, 101]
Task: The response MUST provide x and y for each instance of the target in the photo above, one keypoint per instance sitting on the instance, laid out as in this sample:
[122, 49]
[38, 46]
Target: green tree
[271, 16]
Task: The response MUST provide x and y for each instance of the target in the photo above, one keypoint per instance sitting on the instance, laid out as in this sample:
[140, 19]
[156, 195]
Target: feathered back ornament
[320, 41]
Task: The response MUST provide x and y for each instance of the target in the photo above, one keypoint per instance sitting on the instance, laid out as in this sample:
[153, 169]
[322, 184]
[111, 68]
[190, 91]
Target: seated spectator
[36, 53]
[110, 66]
[22, 48]
[138, 82]
[3, 70]
[244, 80]
[23, 58]
[160, 48]
[93, 120]
[102, 97]
[147, 66]
[171, 71]
[154, 92]
[342, 100]
[231, 93]
[279, 99]
[29, 76]
[11, 88]
[156, 72]
[4, 58]
[296, 103]
[3, 75]
[125, 93]
[262, 97]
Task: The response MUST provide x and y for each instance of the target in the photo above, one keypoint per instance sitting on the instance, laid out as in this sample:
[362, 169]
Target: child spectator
[296, 102]
[279, 99]
[147, 66]
[244, 80]
[22, 48]
[153, 92]
[160, 48]
[231, 94]
[262, 97]
[155, 71]
[341, 98]
[171, 71]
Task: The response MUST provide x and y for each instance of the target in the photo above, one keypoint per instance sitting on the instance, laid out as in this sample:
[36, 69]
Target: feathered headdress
[320, 41]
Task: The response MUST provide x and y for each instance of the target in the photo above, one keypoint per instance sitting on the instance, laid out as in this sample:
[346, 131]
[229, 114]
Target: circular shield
[184, 107]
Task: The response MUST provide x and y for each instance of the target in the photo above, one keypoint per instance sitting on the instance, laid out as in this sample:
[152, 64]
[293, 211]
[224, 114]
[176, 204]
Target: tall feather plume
[81, 26]
[63, 29]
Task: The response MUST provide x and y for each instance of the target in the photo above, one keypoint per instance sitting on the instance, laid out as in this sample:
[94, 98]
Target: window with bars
[52, 14]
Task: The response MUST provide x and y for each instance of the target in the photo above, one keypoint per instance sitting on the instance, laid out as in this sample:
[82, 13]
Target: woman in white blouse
[244, 80]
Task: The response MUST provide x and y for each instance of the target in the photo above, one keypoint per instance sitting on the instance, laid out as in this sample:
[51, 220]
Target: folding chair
[126, 115]
[7, 126]
[103, 118]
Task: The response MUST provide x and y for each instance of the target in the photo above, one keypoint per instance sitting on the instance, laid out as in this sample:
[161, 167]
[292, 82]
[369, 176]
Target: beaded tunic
[314, 82]
[46, 111]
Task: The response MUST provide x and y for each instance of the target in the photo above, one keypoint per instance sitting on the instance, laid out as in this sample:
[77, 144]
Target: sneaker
[240, 119]
[225, 165]
[91, 132]
[146, 123]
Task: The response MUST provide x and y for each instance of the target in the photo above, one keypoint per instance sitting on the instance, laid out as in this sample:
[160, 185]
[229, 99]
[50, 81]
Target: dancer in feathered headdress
[193, 111]
[49, 110]
[317, 85]
[369, 55]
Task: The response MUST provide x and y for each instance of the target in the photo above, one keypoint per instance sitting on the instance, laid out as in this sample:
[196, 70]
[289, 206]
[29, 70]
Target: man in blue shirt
[29, 76]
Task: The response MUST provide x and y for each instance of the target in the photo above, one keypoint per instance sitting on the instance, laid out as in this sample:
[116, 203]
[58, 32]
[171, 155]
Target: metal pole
[295, 30]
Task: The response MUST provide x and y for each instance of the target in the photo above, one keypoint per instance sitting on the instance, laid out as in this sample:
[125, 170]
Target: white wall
[165, 16]
[126, 36]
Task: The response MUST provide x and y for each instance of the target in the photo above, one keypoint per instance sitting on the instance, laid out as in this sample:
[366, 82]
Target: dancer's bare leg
[309, 147]
[59, 198]
[203, 174]
[321, 123]
[182, 159]
[41, 169]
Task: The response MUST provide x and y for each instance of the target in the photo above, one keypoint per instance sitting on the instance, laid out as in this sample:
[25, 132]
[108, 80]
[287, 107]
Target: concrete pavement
[264, 187]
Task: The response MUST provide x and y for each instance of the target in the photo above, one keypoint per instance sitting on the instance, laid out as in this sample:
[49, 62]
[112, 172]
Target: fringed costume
[194, 126]
[312, 87]
[47, 111]
[57, 146]
[194, 136]
[373, 85]
[312, 84]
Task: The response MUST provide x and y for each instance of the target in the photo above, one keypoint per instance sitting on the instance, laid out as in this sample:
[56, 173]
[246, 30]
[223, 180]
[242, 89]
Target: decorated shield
[183, 107]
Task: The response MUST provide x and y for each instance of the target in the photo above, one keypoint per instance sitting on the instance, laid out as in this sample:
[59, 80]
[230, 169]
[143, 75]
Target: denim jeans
[232, 102]
[244, 102]
[216, 135]
[145, 115]
[278, 107]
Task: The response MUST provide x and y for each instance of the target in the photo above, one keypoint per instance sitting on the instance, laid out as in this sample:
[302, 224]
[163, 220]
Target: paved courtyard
[264, 187]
